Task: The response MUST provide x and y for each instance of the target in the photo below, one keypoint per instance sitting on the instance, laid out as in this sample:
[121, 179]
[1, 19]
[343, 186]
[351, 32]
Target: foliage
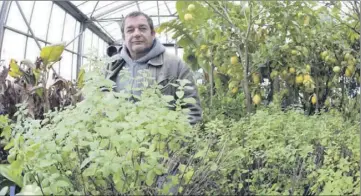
[30, 84]
[131, 147]
[291, 55]
[274, 152]
[102, 148]
[302, 50]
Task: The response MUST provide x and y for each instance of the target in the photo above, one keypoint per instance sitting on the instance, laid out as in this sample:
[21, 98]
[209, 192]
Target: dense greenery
[305, 51]
[282, 118]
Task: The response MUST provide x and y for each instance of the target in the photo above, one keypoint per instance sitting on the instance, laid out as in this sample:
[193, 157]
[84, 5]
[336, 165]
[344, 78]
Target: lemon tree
[287, 49]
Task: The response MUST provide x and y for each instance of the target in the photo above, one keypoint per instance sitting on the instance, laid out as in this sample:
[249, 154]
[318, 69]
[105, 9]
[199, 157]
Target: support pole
[3, 12]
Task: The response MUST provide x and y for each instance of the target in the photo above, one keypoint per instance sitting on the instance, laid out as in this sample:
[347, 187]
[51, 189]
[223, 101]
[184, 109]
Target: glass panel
[15, 19]
[122, 11]
[101, 48]
[88, 6]
[85, 64]
[39, 22]
[69, 28]
[73, 73]
[56, 25]
[103, 6]
[87, 41]
[66, 65]
[95, 44]
[32, 49]
[75, 46]
[148, 5]
[56, 67]
[76, 3]
[13, 46]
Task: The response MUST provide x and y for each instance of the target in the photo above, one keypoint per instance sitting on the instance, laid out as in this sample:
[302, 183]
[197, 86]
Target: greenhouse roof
[107, 15]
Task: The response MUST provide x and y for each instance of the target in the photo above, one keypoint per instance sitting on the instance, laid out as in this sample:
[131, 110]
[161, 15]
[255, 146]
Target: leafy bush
[106, 144]
[274, 152]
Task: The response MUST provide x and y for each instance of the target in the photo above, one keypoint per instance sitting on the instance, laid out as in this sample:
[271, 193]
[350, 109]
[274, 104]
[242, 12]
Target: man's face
[138, 36]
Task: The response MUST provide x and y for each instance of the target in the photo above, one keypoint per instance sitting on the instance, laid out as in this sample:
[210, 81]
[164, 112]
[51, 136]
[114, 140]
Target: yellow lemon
[314, 99]
[188, 17]
[234, 90]
[307, 77]
[336, 69]
[348, 72]
[191, 7]
[234, 60]
[292, 70]
[299, 79]
[256, 99]
[256, 78]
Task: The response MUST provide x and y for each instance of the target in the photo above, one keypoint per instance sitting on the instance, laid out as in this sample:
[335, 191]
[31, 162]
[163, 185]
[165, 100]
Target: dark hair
[135, 14]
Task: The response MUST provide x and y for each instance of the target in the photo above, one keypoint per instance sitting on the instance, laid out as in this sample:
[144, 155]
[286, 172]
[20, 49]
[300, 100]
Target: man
[143, 51]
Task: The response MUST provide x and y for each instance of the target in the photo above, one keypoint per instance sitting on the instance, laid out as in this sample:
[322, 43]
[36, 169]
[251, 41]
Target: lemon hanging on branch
[299, 79]
[191, 7]
[188, 17]
[256, 99]
[336, 69]
[234, 60]
[292, 70]
[348, 72]
[256, 78]
[314, 99]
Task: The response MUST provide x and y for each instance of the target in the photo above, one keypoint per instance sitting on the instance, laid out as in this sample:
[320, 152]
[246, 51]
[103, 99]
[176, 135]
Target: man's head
[138, 32]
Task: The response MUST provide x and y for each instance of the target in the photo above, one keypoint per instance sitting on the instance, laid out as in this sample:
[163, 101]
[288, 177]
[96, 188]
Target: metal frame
[91, 22]
[166, 5]
[51, 13]
[95, 7]
[137, 5]
[28, 35]
[27, 24]
[106, 12]
[102, 7]
[3, 15]
[120, 19]
[82, 18]
[27, 38]
[82, 28]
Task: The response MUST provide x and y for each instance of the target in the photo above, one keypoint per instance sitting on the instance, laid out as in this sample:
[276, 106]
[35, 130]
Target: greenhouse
[180, 97]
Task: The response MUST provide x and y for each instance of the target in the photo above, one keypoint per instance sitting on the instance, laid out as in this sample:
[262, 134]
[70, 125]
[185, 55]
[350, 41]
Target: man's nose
[136, 32]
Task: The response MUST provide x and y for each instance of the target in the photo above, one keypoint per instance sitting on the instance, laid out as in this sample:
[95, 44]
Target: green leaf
[190, 100]
[80, 80]
[150, 178]
[62, 183]
[52, 53]
[9, 145]
[9, 174]
[85, 162]
[14, 70]
[180, 94]
[188, 176]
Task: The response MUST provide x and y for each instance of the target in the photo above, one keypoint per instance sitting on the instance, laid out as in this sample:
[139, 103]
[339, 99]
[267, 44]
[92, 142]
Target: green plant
[31, 84]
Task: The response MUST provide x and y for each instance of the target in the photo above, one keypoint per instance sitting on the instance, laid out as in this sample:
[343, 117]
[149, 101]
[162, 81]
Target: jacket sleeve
[195, 113]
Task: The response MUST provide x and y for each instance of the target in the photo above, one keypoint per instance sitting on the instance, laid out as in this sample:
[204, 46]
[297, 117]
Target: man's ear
[153, 33]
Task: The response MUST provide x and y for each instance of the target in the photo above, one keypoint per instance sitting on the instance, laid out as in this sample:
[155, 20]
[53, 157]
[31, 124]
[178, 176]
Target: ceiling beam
[71, 9]
[120, 19]
[106, 12]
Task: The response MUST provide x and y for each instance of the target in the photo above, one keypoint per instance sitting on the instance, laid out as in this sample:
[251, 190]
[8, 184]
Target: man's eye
[130, 30]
